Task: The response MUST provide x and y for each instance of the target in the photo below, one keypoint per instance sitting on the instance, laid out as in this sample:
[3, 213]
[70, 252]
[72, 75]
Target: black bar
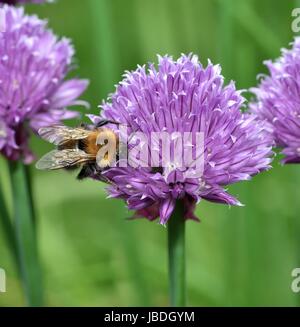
[149, 316]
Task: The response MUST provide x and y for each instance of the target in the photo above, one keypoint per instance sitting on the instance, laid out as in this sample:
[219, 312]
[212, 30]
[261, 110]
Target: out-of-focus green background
[91, 255]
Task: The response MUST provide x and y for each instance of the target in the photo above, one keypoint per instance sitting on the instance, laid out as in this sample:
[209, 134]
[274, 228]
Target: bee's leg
[86, 171]
[70, 168]
[103, 179]
[91, 170]
[105, 122]
[98, 172]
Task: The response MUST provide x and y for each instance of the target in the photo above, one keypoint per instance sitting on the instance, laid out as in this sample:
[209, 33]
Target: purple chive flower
[183, 96]
[33, 65]
[278, 101]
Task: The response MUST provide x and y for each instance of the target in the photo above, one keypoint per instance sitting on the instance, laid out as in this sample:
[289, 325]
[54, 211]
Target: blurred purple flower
[33, 93]
[183, 96]
[278, 101]
[15, 2]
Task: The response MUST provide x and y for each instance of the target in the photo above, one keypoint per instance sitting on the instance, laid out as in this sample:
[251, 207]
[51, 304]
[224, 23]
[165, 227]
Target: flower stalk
[176, 249]
[7, 226]
[25, 235]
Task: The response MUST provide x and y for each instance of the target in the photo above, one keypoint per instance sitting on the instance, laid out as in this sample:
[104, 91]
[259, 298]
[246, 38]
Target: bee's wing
[59, 134]
[58, 159]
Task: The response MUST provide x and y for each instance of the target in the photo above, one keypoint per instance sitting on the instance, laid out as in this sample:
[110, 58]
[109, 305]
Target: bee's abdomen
[81, 145]
[72, 144]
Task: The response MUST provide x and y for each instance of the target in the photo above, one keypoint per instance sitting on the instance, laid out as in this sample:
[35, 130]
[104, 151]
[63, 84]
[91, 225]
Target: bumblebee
[80, 147]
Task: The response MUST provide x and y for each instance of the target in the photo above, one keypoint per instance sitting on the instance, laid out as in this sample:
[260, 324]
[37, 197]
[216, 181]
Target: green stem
[176, 245]
[25, 235]
[7, 226]
[30, 193]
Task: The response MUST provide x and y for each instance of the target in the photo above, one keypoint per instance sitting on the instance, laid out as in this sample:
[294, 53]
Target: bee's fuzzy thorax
[90, 144]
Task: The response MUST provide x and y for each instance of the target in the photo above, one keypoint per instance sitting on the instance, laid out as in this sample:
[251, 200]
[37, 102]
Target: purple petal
[68, 92]
[165, 210]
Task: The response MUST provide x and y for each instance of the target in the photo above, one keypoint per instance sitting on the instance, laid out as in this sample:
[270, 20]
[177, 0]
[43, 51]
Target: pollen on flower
[3, 133]
[15, 84]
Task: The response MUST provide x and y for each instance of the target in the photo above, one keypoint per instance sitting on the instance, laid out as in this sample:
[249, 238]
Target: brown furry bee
[79, 147]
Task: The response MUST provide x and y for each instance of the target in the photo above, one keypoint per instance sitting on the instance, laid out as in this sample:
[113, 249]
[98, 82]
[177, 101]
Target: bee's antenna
[105, 122]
